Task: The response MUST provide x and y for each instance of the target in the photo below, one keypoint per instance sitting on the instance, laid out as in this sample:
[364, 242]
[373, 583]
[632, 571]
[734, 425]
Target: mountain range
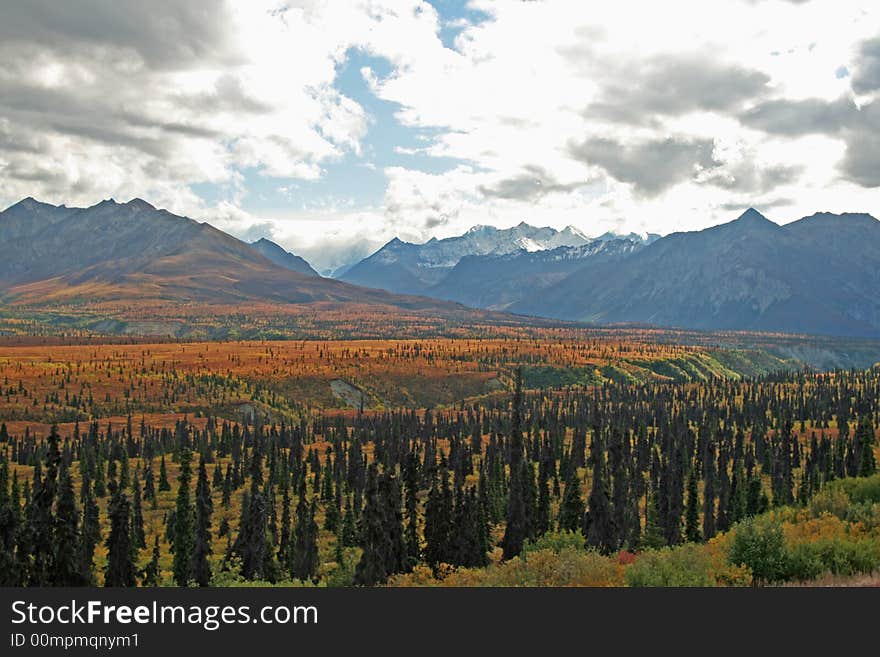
[817, 275]
[425, 268]
[820, 274]
[132, 252]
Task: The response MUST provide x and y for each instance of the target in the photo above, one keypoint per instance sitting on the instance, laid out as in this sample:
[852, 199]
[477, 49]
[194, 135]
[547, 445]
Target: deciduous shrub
[555, 542]
[760, 546]
[685, 565]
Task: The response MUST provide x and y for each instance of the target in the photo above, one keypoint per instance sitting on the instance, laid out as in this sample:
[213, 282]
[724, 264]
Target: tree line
[629, 466]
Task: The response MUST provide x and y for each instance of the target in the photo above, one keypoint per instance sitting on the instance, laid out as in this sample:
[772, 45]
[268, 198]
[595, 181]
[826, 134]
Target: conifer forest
[734, 480]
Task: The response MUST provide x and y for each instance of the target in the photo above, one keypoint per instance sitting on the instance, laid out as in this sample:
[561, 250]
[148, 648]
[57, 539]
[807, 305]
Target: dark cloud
[748, 177]
[861, 163]
[675, 85]
[165, 34]
[651, 166]
[841, 118]
[228, 96]
[867, 75]
[534, 183]
[802, 117]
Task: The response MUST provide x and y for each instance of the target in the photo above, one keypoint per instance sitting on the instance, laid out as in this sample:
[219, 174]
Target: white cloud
[149, 103]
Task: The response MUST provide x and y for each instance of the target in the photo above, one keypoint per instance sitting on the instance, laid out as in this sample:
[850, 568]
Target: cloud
[675, 85]
[867, 75]
[595, 119]
[754, 179]
[147, 100]
[738, 208]
[802, 117]
[255, 232]
[857, 127]
[162, 34]
[861, 163]
[530, 185]
[650, 166]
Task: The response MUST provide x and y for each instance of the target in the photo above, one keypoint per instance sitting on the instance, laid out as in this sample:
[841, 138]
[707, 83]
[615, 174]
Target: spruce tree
[11, 568]
[381, 530]
[411, 489]
[66, 566]
[598, 521]
[152, 572]
[252, 544]
[183, 523]
[438, 521]
[120, 570]
[867, 461]
[285, 551]
[163, 476]
[571, 512]
[90, 533]
[201, 555]
[150, 484]
[709, 489]
[516, 528]
[304, 564]
[348, 534]
[692, 511]
[653, 535]
[40, 522]
[138, 538]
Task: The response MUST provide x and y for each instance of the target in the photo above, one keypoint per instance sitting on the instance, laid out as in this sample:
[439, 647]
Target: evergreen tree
[516, 528]
[349, 533]
[40, 522]
[90, 534]
[412, 545]
[66, 566]
[598, 521]
[201, 554]
[738, 493]
[304, 565]
[152, 572]
[571, 512]
[381, 530]
[252, 545]
[757, 501]
[653, 536]
[150, 484]
[692, 512]
[138, 538]
[120, 570]
[183, 523]
[163, 476]
[10, 526]
[709, 489]
[285, 548]
[867, 461]
[438, 521]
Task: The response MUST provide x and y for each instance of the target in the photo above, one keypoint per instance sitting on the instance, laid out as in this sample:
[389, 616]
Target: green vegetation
[723, 482]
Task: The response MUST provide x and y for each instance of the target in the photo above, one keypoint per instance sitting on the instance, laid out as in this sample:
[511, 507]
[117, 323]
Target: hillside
[818, 275]
[283, 258]
[499, 281]
[132, 253]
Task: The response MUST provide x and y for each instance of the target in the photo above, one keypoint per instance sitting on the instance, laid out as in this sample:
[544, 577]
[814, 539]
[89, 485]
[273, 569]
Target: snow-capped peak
[530, 245]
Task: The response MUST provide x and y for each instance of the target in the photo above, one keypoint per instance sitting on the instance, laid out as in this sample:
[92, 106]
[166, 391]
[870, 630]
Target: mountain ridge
[132, 252]
[819, 274]
[747, 274]
[410, 268]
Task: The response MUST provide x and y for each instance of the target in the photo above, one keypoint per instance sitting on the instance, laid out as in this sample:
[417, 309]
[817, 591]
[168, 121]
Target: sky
[333, 126]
